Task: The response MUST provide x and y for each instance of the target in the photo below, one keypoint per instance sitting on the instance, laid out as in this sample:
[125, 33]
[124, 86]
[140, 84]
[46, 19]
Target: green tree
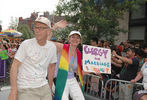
[95, 17]
[25, 30]
[13, 23]
[61, 34]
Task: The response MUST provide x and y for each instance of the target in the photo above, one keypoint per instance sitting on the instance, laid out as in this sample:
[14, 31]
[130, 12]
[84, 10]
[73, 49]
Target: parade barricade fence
[2, 69]
[93, 86]
[112, 89]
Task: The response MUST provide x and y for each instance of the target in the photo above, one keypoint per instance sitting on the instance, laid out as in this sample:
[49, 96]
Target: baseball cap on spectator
[44, 20]
[74, 32]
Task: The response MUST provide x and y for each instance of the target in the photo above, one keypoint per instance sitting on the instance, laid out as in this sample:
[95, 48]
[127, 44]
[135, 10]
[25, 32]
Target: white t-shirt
[35, 60]
[144, 72]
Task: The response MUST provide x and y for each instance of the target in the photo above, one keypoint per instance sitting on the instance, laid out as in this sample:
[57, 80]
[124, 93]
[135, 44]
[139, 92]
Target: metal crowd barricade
[2, 69]
[111, 89]
[93, 86]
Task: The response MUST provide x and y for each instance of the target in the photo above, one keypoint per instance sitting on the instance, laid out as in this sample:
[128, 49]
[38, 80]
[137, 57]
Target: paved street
[4, 91]
[88, 97]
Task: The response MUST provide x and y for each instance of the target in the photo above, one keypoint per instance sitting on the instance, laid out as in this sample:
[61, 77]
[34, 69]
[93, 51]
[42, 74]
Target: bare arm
[59, 47]
[118, 61]
[60, 24]
[51, 70]
[114, 59]
[13, 79]
[50, 36]
[116, 64]
[123, 59]
[99, 74]
[138, 77]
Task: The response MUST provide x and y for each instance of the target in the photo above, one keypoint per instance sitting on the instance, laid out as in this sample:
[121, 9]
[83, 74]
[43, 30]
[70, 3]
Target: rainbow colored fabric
[63, 71]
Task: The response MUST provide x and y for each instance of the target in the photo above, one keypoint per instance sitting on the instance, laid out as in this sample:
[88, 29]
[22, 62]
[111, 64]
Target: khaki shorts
[41, 93]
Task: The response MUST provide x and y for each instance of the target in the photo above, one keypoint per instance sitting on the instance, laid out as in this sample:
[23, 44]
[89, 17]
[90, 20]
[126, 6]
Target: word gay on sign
[96, 59]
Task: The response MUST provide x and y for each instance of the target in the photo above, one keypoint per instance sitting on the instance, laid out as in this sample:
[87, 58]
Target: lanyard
[72, 60]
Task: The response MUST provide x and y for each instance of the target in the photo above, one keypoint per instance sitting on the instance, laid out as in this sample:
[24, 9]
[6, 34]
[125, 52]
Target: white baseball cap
[74, 32]
[44, 20]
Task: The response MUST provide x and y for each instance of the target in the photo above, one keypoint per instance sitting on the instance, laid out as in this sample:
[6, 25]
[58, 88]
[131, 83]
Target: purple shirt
[71, 70]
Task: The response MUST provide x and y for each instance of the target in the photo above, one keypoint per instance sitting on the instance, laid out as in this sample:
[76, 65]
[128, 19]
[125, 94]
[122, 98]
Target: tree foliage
[61, 34]
[95, 17]
[25, 30]
[13, 23]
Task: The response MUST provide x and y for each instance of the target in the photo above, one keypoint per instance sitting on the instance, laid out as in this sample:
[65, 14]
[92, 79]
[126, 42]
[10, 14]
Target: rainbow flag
[63, 72]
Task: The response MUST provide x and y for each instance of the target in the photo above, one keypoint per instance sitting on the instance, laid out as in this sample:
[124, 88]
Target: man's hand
[133, 81]
[51, 70]
[13, 95]
[114, 53]
[98, 73]
[60, 24]
[113, 57]
[13, 79]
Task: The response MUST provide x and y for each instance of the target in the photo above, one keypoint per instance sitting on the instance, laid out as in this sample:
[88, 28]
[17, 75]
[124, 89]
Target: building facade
[30, 21]
[138, 24]
[135, 23]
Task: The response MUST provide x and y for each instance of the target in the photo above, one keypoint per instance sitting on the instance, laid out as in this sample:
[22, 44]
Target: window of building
[139, 12]
[137, 33]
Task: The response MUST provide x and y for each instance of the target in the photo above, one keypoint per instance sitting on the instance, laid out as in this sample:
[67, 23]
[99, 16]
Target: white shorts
[73, 89]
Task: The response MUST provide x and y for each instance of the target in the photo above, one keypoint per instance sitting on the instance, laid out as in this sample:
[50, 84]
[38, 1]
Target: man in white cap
[34, 59]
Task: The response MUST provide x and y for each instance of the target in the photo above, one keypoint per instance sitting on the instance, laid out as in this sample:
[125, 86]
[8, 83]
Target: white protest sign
[96, 59]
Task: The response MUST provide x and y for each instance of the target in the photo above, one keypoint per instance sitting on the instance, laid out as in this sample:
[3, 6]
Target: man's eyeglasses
[40, 28]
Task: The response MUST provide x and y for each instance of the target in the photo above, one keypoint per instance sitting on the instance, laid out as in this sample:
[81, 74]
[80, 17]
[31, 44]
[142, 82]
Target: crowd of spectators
[10, 45]
[127, 60]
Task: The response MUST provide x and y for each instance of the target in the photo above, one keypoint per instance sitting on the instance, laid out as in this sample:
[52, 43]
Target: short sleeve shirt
[144, 72]
[35, 60]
